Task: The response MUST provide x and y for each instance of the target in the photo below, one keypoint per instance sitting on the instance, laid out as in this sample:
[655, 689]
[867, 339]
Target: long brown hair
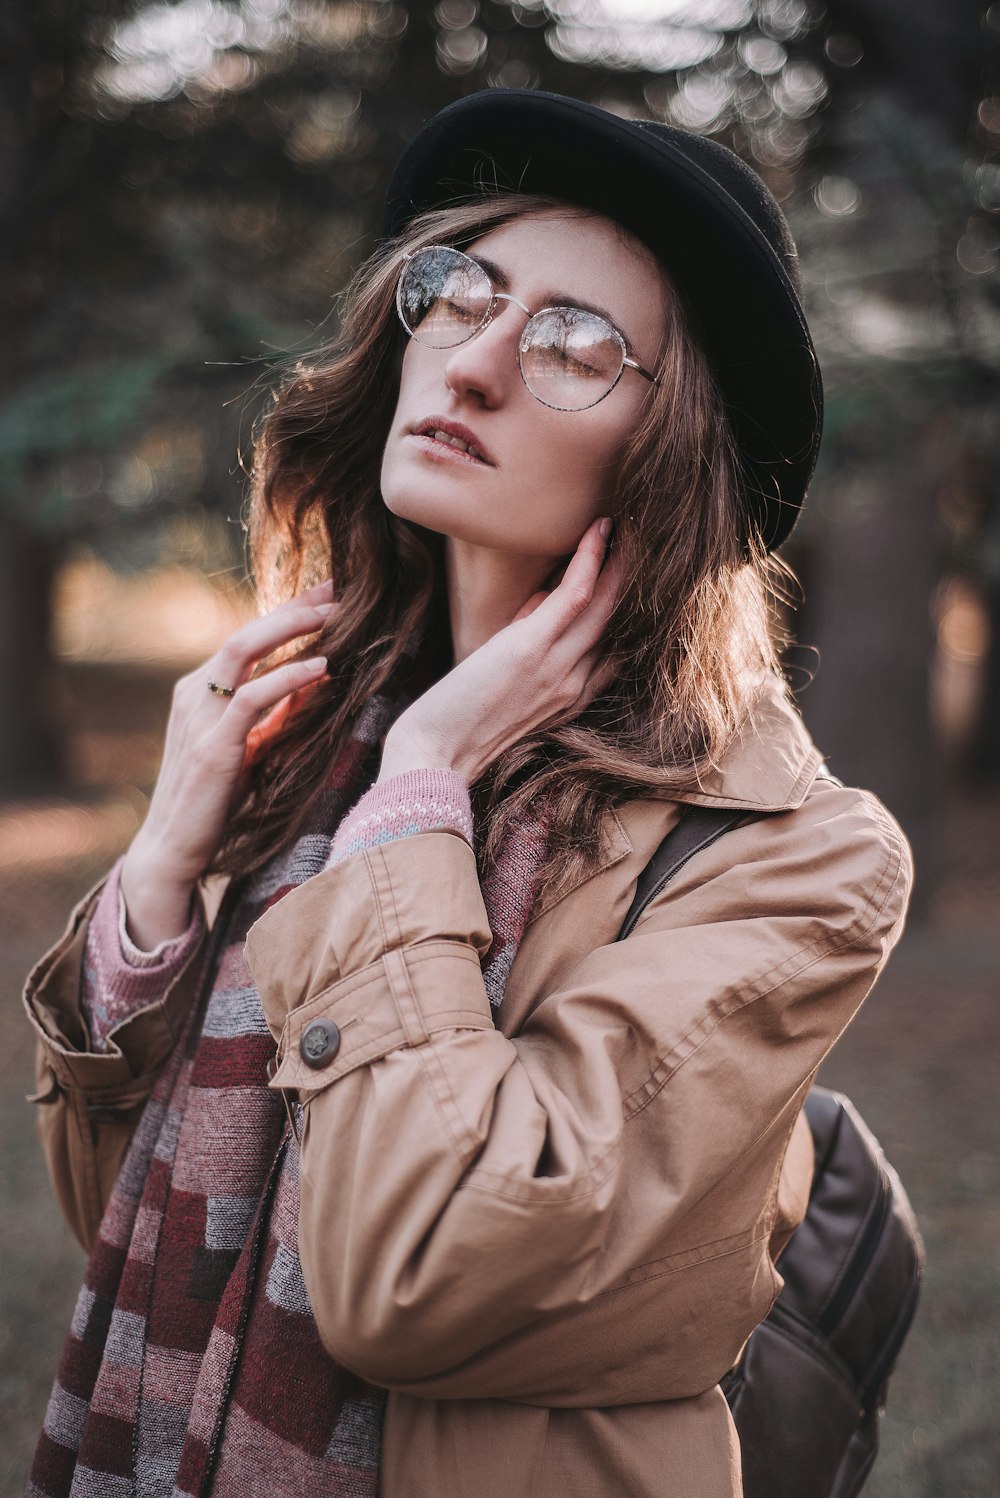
[690, 635]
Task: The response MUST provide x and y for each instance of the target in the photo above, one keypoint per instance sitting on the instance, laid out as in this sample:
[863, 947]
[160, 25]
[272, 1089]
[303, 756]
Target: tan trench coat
[548, 1240]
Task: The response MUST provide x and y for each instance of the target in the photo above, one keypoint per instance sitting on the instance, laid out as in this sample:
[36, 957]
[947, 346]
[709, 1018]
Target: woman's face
[544, 474]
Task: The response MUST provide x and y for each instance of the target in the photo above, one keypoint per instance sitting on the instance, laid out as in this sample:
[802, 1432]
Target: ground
[921, 1063]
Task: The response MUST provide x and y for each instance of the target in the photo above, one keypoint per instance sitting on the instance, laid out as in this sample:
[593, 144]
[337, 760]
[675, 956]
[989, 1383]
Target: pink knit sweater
[119, 979]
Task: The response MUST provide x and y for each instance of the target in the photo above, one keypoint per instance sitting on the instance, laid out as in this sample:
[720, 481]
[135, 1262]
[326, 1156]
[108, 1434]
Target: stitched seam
[771, 1212]
[436, 1077]
[374, 883]
[405, 1000]
[547, 902]
[680, 1268]
[440, 948]
[671, 1070]
[91, 1194]
[835, 1370]
[391, 897]
[722, 1246]
[528, 1191]
[372, 1050]
[803, 780]
[855, 928]
[812, 954]
[356, 982]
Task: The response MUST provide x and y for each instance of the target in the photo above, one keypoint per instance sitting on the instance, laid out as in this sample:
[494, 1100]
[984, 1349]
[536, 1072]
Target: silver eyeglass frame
[523, 341]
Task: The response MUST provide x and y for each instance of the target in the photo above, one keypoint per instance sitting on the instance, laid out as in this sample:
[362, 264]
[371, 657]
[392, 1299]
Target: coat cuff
[366, 944]
[136, 1048]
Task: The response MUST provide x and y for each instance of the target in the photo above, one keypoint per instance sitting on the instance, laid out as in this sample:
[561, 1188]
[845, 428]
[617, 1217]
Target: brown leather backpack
[811, 1385]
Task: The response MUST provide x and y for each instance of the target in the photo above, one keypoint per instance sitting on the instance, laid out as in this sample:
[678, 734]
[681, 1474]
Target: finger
[251, 642]
[264, 692]
[590, 625]
[317, 593]
[575, 589]
[608, 588]
[258, 638]
[581, 628]
[584, 567]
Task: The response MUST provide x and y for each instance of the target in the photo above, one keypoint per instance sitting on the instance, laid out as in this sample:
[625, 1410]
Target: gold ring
[213, 686]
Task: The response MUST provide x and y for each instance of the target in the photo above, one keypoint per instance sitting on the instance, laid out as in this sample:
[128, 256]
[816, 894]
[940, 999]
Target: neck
[486, 590]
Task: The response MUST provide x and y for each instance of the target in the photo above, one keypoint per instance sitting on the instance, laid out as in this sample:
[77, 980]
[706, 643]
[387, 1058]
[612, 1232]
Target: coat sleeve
[579, 1215]
[89, 1101]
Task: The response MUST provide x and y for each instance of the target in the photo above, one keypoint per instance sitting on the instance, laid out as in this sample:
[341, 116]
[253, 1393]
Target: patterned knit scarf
[193, 1363]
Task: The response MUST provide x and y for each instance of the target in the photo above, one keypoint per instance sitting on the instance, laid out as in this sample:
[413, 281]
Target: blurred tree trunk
[868, 708]
[877, 555]
[28, 752]
[930, 52]
[986, 750]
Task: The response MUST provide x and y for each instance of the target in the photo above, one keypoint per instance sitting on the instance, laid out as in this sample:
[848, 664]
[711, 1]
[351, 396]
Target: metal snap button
[319, 1043]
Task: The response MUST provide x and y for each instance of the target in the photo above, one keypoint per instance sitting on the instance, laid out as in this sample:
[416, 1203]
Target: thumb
[530, 606]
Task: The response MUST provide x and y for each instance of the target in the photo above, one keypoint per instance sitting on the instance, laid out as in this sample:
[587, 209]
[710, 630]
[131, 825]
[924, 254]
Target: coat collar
[768, 766]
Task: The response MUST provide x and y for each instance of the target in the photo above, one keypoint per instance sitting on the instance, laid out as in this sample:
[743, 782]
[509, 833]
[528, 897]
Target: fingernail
[605, 528]
[317, 664]
[324, 608]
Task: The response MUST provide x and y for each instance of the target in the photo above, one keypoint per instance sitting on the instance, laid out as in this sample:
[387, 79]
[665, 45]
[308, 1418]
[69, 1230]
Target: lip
[426, 428]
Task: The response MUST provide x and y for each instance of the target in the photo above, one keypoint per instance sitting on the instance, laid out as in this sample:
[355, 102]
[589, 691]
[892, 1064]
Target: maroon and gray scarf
[193, 1363]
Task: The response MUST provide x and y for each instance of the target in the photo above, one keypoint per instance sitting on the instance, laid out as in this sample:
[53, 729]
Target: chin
[456, 515]
[426, 510]
[443, 521]
[431, 506]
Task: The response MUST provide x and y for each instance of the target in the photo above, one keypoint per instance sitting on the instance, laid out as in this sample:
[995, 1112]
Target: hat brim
[667, 188]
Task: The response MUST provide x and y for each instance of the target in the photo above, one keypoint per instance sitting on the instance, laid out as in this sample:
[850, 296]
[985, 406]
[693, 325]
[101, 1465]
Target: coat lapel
[586, 912]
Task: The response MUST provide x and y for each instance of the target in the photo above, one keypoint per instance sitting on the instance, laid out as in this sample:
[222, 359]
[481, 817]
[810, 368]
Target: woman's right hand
[203, 755]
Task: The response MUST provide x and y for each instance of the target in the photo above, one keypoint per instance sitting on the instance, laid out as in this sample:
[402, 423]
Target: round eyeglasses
[569, 358]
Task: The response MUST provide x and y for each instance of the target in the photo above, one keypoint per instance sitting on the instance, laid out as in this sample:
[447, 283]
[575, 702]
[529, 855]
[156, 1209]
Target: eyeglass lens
[444, 297]
[569, 358]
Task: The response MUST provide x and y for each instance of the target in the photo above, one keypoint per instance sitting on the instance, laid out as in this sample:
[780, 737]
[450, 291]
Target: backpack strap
[698, 828]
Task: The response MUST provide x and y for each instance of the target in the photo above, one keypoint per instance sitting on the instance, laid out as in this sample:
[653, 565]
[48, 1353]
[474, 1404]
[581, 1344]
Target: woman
[526, 1179]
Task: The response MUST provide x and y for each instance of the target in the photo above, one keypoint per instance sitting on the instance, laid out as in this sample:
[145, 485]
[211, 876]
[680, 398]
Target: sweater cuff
[118, 977]
[162, 955]
[402, 806]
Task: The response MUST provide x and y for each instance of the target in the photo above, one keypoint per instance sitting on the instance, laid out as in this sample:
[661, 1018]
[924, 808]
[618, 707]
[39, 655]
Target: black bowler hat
[705, 214]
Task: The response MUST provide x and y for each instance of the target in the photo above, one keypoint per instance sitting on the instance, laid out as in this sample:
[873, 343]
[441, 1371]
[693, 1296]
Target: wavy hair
[690, 637]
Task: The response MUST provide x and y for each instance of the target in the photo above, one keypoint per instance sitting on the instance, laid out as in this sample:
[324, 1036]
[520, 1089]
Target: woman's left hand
[543, 668]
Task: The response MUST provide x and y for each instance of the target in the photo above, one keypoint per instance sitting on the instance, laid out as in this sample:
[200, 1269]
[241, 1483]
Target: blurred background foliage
[188, 185]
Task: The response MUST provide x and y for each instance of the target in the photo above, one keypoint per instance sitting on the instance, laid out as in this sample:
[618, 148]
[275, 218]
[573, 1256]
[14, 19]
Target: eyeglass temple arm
[652, 378]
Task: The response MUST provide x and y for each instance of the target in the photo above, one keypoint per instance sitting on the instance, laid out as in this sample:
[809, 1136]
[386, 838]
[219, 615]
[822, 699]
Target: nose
[485, 365]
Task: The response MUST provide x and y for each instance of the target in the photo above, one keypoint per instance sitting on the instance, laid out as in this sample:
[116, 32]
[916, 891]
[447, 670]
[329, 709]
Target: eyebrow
[501, 280]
